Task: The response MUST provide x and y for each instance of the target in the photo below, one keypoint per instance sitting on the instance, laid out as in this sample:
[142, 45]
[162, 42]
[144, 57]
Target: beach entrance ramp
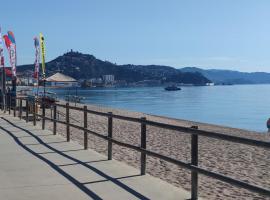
[35, 164]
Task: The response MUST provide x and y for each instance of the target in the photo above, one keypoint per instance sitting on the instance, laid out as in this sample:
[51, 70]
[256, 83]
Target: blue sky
[223, 34]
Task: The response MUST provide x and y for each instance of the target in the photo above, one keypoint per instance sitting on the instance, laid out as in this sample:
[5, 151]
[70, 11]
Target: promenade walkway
[35, 164]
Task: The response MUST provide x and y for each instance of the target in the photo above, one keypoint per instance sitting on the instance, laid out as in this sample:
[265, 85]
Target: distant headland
[85, 67]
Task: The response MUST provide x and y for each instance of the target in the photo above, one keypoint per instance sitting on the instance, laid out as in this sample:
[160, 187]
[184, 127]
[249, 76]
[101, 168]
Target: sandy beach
[247, 163]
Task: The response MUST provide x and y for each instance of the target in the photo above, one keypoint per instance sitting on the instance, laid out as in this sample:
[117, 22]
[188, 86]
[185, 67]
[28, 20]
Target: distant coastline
[89, 70]
[230, 77]
[92, 72]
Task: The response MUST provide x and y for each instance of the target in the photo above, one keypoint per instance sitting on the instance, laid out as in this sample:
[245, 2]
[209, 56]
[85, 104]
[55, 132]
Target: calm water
[241, 106]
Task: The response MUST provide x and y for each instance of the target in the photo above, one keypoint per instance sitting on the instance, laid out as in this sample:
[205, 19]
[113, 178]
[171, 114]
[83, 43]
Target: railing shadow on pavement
[194, 132]
[56, 167]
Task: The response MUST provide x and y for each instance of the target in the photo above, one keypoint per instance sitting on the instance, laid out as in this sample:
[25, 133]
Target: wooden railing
[193, 131]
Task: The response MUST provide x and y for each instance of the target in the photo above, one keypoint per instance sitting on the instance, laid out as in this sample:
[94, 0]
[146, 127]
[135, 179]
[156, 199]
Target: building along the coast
[108, 79]
[61, 80]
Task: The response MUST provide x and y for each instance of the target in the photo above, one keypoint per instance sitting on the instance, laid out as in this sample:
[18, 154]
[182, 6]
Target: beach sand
[247, 163]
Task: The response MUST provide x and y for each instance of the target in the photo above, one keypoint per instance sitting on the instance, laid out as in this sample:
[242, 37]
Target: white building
[108, 78]
[95, 81]
[61, 80]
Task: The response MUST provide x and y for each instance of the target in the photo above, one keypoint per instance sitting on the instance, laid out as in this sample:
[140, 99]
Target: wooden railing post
[34, 113]
[43, 113]
[85, 126]
[5, 104]
[67, 122]
[9, 104]
[51, 109]
[18, 106]
[14, 108]
[110, 132]
[2, 103]
[27, 111]
[194, 161]
[143, 146]
[54, 117]
[20, 112]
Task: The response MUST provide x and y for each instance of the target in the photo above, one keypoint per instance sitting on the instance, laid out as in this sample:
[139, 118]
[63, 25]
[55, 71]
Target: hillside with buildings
[88, 69]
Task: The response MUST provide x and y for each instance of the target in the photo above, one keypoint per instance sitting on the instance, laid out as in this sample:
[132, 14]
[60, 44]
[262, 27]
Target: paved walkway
[35, 164]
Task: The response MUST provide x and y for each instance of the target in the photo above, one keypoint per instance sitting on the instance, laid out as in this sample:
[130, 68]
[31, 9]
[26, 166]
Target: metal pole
[44, 85]
[34, 113]
[143, 146]
[4, 88]
[85, 126]
[14, 84]
[43, 114]
[110, 130]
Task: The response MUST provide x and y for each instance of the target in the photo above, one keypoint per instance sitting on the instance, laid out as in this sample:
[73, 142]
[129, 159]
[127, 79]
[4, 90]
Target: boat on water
[172, 88]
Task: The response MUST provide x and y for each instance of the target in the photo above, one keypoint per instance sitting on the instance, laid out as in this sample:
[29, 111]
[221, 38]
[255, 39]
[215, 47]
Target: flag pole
[3, 69]
[42, 46]
[37, 60]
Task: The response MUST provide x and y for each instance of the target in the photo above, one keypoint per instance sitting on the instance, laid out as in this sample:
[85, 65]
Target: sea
[238, 106]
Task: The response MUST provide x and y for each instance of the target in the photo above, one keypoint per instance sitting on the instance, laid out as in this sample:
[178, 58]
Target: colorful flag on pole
[2, 64]
[11, 46]
[42, 46]
[8, 43]
[37, 58]
[11, 36]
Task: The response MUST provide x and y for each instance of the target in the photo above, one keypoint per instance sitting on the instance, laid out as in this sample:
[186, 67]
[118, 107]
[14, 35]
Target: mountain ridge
[85, 66]
[222, 76]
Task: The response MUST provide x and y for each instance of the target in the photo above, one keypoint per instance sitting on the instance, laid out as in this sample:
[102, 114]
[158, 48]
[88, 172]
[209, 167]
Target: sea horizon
[236, 106]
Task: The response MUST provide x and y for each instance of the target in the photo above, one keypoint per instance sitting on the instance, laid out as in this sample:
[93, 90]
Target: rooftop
[58, 77]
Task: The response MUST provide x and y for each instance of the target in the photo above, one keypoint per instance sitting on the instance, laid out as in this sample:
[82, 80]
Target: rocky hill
[84, 66]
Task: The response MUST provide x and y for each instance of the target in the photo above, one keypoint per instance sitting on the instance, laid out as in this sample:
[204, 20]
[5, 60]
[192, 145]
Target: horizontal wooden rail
[209, 134]
[174, 161]
[194, 132]
[183, 129]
